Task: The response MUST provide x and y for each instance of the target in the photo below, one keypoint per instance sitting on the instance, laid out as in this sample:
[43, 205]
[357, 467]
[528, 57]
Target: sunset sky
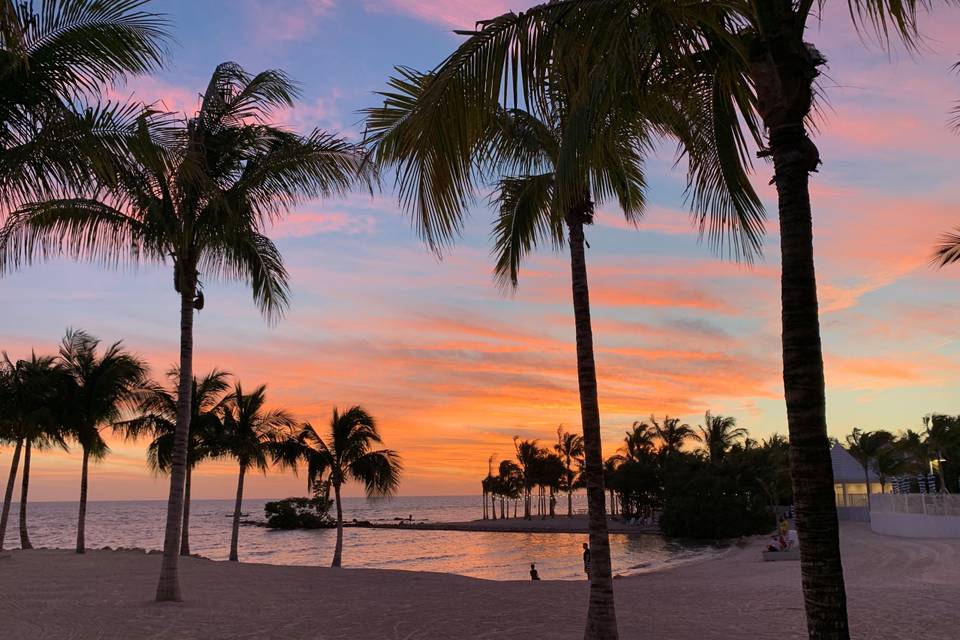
[453, 367]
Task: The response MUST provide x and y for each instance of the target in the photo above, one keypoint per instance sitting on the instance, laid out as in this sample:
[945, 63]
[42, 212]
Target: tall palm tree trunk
[168, 587]
[601, 613]
[783, 68]
[569, 504]
[24, 487]
[82, 515]
[338, 550]
[185, 532]
[866, 481]
[237, 506]
[8, 495]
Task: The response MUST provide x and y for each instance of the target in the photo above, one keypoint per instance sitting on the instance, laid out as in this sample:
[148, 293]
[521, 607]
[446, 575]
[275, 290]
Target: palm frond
[526, 219]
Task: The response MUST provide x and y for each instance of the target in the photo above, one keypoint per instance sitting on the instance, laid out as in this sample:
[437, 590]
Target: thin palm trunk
[8, 496]
[185, 532]
[866, 481]
[943, 482]
[338, 550]
[811, 469]
[24, 487]
[168, 587]
[237, 506]
[601, 614]
[82, 515]
[569, 504]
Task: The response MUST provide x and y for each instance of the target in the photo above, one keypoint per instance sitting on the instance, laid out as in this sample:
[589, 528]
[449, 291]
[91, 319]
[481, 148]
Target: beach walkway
[898, 589]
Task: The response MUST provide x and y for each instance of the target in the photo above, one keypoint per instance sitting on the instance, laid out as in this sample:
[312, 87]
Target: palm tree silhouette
[51, 57]
[866, 446]
[199, 193]
[346, 453]
[672, 435]
[570, 449]
[718, 434]
[157, 409]
[103, 387]
[29, 419]
[740, 69]
[250, 433]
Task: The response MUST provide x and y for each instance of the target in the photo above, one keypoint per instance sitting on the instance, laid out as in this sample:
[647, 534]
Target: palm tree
[639, 442]
[527, 453]
[570, 449]
[250, 433]
[29, 418]
[718, 434]
[56, 57]
[102, 387]
[551, 164]
[866, 447]
[346, 454]
[672, 435]
[199, 194]
[157, 416]
[746, 61]
[938, 427]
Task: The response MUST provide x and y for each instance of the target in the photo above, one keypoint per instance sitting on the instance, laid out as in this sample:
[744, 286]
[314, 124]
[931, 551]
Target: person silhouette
[533, 572]
[586, 559]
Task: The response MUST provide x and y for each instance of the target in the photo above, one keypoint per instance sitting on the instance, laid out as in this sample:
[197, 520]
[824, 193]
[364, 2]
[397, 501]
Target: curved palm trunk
[24, 487]
[601, 614]
[338, 550]
[168, 587]
[8, 495]
[783, 69]
[82, 515]
[185, 533]
[237, 506]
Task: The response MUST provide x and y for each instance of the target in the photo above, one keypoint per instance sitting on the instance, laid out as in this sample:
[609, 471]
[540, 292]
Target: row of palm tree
[554, 107]
[77, 395]
[128, 184]
[562, 468]
[910, 453]
[548, 470]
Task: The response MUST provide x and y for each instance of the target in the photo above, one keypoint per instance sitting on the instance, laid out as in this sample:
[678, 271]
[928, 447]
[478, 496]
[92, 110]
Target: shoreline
[560, 524]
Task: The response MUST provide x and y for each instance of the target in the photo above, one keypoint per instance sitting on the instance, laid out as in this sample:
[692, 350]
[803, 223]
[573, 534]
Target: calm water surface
[496, 556]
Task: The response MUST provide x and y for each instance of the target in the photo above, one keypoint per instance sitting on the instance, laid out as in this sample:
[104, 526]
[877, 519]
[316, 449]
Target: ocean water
[494, 556]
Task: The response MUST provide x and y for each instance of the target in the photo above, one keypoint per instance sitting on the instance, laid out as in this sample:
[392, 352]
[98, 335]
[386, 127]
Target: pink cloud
[457, 14]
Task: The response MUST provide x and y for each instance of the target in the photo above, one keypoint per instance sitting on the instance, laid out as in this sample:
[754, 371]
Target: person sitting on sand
[774, 544]
[586, 559]
[533, 572]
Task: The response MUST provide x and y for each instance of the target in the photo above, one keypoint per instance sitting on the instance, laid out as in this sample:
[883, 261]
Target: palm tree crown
[53, 58]
[718, 434]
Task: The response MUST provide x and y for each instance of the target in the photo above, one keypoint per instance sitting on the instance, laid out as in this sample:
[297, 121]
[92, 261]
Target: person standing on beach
[533, 572]
[586, 559]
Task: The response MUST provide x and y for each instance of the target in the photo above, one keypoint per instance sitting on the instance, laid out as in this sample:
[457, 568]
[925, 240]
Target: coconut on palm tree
[250, 433]
[718, 434]
[30, 393]
[157, 416]
[57, 56]
[198, 194]
[345, 453]
[103, 385]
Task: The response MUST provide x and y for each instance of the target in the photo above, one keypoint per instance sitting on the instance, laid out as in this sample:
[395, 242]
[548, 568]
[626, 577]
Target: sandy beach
[898, 589]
